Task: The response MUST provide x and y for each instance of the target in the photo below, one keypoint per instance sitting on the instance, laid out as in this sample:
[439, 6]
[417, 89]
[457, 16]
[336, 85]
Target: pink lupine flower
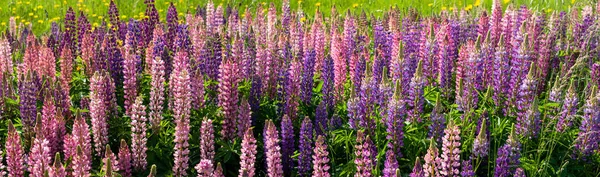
[81, 137]
[272, 150]
[204, 168]
[124, 159]
[248, 156]
[99, 110]
[180, 87]
[130, 74]
[207, 140]
[14, 152]
[39, 157]
[57, 169]
[80, 163]
[109, 162]
[244, 120]
[450, 157]
[138, 134]
[320, 159]
[228, 97]
[432, 161]
[6, 64]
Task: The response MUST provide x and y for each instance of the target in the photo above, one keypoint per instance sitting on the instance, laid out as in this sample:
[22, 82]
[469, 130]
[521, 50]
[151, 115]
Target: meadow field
[299, 88]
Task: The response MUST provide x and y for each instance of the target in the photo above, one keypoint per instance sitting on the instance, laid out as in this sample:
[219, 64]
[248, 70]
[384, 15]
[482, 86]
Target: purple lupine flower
[255, 96]
[305, 147]
[124, 159]
[207, 140]
[307, 76]
[386, 92]
[320, 158]
[70, 34]
[438, 121]
[508, 156]
[14, 152]
[272, 150]
[83, 27]
[587, 139]
[427, 52]
[180, 86]
[39, 157]
[172, 22]
[114, 57]
[450, 157]
[110, 164]
[182, 40]
[411, 45]
[432, 160]
[287, 144]
[321, 117]
[501, 69]
[328, 89]
[228, 97]
[248, 156]
[417, 169]
[569, 108]
[99, 109]
[518, 66]
[364, 155]
[369, 91]
[27, 96]
[416, 101]
[218, 171]
[57, 169]
[292, 89]
[204, 168]
[244, 120]
[354, 111]
[467, 169]
[138, 134]
[391, 167]
[444, 60]
[481, 144]
[395, 120]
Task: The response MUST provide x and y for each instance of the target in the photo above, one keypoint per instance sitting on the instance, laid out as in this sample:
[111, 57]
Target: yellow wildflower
[506, 1]
[303, 19]
[30, 14]
[354, 5]
[27, 2]
[27, 23]
[469, 7]
[548, 10]
[17, 17]
[3, 23]
[477, 3]
[572, 1]
[56, 5]
[40, 21]
[123, 16]
[318, 4]
[444, 8]
[35, 16]
[101, 17]
[430, 4]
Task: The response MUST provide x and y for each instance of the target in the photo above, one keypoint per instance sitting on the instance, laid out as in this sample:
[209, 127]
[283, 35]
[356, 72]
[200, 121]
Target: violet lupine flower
[40, 157]
[70, 34]
[57, 169]
[99, 110]
[172, 22]
[207, 140]
[416, 101]
[450, 157]
[386, 92]
[496, 22]
[587, 139]
[320, 158]
[508, 156]
[445, 61]
[272, 150]
[124, 159]
[391, 167]
[305, 147]
[248, 156]
[27, 96]
[244, 120]
[395, 120]
[438, 121]
[138, 134]
[354, 111]
[228, 97]
[501, 71]
[307, 77]
[518, 68]
[481, 144]
[110, 164]
[411, 45]
[432, 160]
[328, 89]
[292, 89]
[204, 168]
[529, 126]
[364, 155]
[287, 144]
[467, 169]
[569, 108]
[417, 169]
[180, 86]
[114, 57]
[321, 117]
[14, 152]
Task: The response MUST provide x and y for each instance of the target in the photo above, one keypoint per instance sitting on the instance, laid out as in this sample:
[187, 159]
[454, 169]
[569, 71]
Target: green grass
[41, 13]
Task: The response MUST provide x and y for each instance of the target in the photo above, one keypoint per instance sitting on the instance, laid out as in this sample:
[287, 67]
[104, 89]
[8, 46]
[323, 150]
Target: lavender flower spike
[248, 156]
[272, 150]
